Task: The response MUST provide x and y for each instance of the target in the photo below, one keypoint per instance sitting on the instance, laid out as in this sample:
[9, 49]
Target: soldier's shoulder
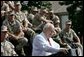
[5, 21]
[10, 44]
[71, 30]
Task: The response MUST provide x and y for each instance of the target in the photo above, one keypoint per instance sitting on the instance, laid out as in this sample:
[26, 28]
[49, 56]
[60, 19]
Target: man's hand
[64, 44]
[12, 36]
[24, 29]
[64, 50]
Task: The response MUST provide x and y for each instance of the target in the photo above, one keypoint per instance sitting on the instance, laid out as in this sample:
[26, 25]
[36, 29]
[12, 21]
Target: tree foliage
[26, 5]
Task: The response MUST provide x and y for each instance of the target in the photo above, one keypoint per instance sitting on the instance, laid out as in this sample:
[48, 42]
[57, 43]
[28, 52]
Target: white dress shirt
[41, 46]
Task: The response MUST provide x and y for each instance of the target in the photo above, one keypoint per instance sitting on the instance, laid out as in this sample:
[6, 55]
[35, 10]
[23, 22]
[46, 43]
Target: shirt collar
[44, 35]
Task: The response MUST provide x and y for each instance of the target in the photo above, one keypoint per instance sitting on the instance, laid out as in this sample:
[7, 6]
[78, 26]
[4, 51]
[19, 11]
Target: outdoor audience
[36, 33]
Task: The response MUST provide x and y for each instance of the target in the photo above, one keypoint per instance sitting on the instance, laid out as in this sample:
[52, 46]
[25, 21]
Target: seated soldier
[15, 32]
[69, 37]
[7, 48]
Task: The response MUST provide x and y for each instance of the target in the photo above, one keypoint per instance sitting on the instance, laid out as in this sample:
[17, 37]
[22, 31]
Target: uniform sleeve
[60, 36]
[19, 25]
[26, 20]
[20, 28]
[13, 51]
[74, 34]
[75, 37]
[5, 22]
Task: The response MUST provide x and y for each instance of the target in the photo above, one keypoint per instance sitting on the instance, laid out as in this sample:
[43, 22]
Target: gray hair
[47, 26]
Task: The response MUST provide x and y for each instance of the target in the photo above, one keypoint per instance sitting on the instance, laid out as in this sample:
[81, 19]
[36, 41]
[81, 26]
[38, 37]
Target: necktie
[49, 42]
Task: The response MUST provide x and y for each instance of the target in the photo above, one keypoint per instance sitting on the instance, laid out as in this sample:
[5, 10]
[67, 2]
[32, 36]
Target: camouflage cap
[68, 22]
[4, 28]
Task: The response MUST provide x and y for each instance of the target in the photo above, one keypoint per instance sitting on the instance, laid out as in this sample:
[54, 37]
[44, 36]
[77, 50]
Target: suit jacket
[41, 46]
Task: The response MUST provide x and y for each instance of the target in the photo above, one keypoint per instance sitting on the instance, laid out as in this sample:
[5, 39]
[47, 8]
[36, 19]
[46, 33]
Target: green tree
[39, 4]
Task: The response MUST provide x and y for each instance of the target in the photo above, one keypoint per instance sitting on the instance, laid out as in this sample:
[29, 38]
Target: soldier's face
[68, 26]
[17, 7]
[4, 35]
[11, 17]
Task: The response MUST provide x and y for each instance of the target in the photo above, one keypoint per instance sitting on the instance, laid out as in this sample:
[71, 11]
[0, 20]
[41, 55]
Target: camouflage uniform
[31, 17]
[69, 38]
[13, 28]
[7, 49]
[28, 33]
[37, 22]
[5, 7]
[20, 16]
[56, 36]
